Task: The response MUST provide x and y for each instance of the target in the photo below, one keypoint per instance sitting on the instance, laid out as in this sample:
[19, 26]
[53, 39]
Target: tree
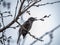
[25, 5]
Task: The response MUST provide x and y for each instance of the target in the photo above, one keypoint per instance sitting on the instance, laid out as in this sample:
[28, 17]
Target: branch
[6, 12]
[27, 6]
[34, 36]
[19, 14]
[46, 34]
[6, 16]
[16, 8]
[31, 6]
[2, 19]
[22, 4]
[47, 3]
[14, 27]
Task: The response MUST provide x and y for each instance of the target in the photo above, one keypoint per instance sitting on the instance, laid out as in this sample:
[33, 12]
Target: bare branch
[19, 14]
[15, 27]
[2, 19]
[34, 36]
[16, 8]
[21, 5]
[31, 6]
[6, 16]
[47, 3]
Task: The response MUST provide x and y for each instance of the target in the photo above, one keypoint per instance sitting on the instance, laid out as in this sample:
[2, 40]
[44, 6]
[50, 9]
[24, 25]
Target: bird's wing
[27, 25]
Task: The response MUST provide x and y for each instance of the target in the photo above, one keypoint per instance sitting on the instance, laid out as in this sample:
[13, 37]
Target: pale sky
[39, 27]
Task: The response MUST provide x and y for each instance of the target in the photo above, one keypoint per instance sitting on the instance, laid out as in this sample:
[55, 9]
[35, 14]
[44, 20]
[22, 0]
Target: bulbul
[26, 27]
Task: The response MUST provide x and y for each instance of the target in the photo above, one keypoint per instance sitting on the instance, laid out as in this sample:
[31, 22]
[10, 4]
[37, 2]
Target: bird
[25, 28]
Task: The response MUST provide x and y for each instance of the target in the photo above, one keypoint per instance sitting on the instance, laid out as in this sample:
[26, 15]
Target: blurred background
[39, 27]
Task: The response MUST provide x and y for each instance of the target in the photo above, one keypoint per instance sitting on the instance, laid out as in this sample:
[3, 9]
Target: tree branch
[19, 14]
[16, 8]
[47, 3]
[34, 36]
[31, 6]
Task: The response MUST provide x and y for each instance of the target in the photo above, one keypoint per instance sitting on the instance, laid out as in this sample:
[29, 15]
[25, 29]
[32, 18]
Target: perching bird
[26, 27]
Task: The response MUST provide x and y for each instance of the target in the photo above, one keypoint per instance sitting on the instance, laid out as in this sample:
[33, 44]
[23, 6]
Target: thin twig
[2, 19]
[22, 5]
[47, 3]
[14, 27]
[16, 8]
[6, 16]
[31, 6]
[27, 6]
[34, 36]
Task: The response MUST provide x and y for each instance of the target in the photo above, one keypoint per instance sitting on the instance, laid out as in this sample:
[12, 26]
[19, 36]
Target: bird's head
[32, 19]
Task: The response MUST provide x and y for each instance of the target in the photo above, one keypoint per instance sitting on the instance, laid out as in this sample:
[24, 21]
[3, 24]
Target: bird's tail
[18, 39]
[20, 32]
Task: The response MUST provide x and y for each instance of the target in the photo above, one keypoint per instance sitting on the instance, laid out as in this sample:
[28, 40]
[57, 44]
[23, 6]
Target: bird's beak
[36, 19]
